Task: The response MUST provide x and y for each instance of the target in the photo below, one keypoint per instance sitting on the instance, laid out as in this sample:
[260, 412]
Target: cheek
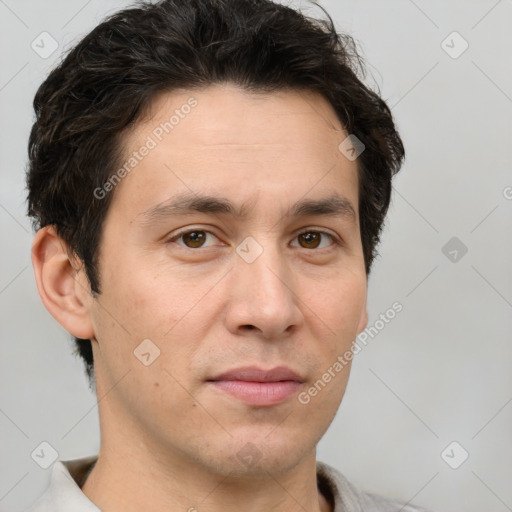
[340, 305]
[139, 300]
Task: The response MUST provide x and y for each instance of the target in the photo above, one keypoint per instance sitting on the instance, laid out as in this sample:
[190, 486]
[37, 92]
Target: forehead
[226, 113]
[222, 139]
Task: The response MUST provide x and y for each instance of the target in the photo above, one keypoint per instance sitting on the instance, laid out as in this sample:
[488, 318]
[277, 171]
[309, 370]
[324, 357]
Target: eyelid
[319, 230]
[179, 234]
[335, 238]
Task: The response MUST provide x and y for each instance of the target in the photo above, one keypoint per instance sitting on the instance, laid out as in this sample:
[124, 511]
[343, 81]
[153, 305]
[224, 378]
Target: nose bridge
[262, 265]
[264, 296]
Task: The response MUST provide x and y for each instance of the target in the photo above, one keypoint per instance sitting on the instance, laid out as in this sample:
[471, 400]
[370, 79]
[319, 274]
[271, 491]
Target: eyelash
[308, 230]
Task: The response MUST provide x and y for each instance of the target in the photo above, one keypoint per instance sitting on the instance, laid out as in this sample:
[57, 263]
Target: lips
[254, 374]
[258, 387]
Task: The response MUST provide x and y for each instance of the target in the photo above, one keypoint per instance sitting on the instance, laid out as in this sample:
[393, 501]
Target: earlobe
[62, 287]
[363, 322]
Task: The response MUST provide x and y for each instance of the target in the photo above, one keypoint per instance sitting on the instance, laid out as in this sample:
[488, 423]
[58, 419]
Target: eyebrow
[334, 205]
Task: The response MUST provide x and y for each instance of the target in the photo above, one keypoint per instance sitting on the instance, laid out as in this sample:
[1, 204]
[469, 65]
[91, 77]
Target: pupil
[310, 238]
[195, 237]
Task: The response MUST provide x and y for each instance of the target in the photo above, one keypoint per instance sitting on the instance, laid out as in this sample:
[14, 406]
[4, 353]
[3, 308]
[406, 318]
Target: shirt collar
[64, 492]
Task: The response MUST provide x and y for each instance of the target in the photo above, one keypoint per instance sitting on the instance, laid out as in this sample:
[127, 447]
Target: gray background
[439, 372]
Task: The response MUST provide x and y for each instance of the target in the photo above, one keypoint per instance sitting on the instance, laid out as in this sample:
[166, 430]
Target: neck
[129, 482]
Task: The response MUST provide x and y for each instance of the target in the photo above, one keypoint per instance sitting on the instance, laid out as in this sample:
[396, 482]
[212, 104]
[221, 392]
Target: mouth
[258, 387]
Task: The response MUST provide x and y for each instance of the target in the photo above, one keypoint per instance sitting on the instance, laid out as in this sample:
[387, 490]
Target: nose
[263, 299]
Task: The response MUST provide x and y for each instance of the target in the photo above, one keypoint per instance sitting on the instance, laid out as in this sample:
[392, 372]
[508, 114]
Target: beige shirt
[64, 492]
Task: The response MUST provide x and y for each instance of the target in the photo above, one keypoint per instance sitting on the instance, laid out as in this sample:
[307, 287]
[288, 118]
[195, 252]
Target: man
[208, 180]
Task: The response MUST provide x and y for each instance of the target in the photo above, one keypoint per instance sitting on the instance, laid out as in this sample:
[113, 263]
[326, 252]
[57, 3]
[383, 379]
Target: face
[244, 301]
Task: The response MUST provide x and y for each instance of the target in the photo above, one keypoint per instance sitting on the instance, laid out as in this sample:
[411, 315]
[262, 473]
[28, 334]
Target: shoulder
[384, 504]
[63, 492]
[43, 504]
[347, 498]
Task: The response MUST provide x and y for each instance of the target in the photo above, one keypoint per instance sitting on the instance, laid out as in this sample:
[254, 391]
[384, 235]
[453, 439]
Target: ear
[63, 287]
[363, 321]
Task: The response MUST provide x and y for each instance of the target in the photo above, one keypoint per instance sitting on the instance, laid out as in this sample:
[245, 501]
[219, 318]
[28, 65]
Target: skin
[168, 438]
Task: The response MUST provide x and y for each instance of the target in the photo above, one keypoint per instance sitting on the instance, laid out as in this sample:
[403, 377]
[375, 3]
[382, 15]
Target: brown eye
[313, 239]
[193, 239]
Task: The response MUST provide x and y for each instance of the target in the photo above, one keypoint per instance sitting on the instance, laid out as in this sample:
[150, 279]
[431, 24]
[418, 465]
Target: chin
[262, 456]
